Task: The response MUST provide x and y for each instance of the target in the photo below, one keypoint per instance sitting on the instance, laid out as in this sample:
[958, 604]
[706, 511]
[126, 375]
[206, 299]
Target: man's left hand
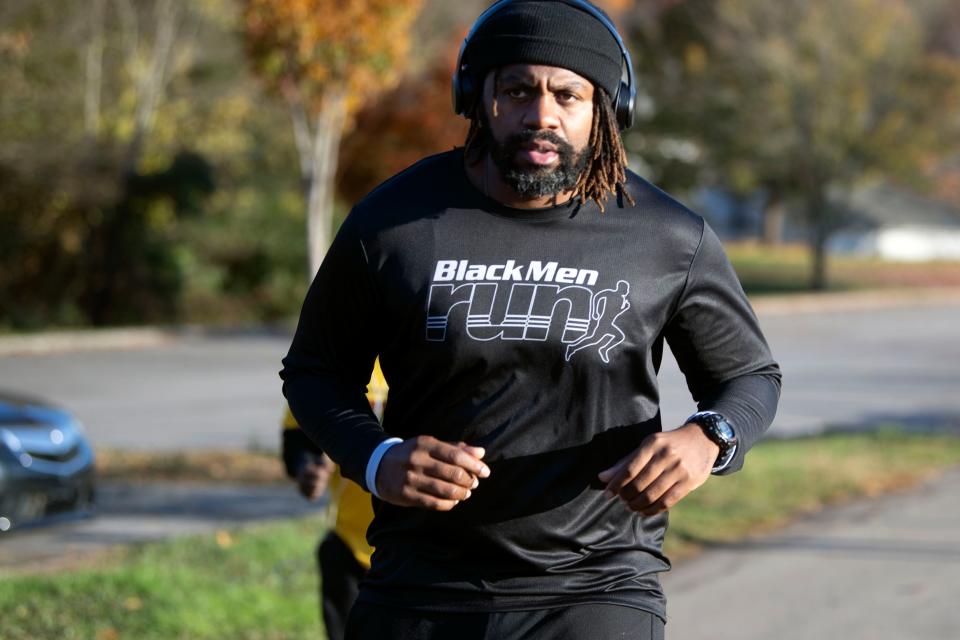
[662, 470]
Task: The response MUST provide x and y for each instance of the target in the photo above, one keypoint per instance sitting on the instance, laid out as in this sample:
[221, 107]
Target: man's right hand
[312, 478]
[429, 473]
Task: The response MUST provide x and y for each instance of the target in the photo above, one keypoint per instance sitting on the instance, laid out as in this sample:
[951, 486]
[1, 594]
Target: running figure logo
[606, 307]
[534, 302]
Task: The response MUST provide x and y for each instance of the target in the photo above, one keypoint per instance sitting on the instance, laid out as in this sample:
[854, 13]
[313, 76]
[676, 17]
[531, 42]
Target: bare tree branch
[329, 130]
[301, 130]
[94, 71]
[154, 79]
[151, 81]
[129, 32]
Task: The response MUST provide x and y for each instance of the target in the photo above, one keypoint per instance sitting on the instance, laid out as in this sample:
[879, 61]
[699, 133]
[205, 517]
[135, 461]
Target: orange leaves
[320, 46]
[615, 7]
[401, 126]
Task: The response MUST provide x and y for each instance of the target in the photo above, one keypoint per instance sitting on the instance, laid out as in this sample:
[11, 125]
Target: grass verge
[259, 582]
[256, 467]
[254, 583]
[784, 480]
[787, 269]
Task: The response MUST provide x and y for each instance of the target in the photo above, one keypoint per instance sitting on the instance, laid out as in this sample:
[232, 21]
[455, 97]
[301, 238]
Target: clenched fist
[662, 470]
[429, 473]
[312, 477]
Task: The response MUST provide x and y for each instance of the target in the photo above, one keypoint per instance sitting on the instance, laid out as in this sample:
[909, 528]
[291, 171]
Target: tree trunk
[774, 219]
[819, 220]
[818, 281]
[326, 148]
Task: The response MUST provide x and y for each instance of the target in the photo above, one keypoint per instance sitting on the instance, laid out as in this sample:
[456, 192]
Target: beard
[531, 182]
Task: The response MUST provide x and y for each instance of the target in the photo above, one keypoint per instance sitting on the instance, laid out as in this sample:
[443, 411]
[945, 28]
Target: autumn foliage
[400, 127]
[325, 58]
[312, 46]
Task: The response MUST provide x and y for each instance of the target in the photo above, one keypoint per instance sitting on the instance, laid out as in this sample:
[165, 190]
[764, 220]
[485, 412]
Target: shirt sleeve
[716, 339]
[326, 371]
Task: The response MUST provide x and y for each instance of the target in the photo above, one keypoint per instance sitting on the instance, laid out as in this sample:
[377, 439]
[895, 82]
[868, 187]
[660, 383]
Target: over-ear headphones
[466, 93]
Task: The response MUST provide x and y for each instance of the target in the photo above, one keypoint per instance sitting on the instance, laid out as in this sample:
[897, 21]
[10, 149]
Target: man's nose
[542, 113]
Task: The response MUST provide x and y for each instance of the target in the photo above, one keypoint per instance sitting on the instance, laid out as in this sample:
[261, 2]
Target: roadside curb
[856, 300]
[121, 338]
[85, 340]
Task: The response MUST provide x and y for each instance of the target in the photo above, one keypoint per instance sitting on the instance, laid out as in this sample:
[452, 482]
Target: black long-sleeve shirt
[536, 334]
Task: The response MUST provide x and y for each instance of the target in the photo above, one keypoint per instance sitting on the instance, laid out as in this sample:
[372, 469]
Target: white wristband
[374, 463]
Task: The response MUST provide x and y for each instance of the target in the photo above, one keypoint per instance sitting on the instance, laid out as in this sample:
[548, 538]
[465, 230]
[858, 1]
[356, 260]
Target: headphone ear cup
[464, 94]
[455, 92]
[625, 102]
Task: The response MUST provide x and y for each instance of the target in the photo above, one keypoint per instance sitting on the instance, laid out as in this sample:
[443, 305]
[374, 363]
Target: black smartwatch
[721, 432]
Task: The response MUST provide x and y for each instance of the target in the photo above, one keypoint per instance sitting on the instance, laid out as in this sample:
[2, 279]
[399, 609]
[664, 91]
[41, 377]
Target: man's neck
[485, 176]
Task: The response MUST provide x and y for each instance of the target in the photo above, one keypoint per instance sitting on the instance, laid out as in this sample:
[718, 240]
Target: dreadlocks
[606, 170]
[606, 167]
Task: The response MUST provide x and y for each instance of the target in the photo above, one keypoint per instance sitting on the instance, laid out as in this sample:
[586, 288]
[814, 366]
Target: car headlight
[10, 441]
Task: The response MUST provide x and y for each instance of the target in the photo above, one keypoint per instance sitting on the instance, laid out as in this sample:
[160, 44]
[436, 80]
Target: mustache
[516, 141]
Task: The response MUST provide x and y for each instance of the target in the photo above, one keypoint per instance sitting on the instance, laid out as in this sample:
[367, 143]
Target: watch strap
[709, 421]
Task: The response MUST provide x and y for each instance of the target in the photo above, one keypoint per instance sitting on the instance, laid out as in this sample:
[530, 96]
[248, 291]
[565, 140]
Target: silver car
[46, 463]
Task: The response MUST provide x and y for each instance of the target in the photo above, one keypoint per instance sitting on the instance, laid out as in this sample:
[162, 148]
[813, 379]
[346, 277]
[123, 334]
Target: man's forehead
[536, 72]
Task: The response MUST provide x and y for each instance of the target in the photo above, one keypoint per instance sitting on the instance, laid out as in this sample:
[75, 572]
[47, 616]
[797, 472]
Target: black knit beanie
[550, 32]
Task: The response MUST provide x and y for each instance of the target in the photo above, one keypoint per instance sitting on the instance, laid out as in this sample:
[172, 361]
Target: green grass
[259, 582]
[256, 467]
[786, 269]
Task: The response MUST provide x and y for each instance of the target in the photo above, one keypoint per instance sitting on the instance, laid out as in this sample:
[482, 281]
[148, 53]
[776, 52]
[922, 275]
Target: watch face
[725, 430]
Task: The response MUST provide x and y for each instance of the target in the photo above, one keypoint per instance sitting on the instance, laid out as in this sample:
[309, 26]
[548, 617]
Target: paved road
[196, 392]
[840, 368]
[878, 570]
[883, 569]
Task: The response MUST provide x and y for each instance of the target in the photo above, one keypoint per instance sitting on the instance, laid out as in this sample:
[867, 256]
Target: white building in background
[893, 224]
[905, 243]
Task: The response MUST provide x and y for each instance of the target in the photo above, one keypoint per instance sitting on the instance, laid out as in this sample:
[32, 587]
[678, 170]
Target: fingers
[650, 479]
[436, 488]
[667, 501]
[642, 500]
[657, 488]
[312, 480]
[460, 455]
[447, 471]
[450, 473]
[428, 473]
[411, 497]
[472, 449]
[327, 463]
[624, 471]
[311, 490]
[662, 471]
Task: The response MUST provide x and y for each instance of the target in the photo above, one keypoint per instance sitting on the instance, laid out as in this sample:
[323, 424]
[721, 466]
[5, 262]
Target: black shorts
[575, 622]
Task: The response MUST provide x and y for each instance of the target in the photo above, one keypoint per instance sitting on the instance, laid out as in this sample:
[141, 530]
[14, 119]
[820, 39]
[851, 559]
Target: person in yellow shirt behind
[343, 555]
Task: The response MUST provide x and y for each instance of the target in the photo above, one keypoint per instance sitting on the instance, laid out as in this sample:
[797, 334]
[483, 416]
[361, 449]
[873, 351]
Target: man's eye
[566, 97]
[517, 93]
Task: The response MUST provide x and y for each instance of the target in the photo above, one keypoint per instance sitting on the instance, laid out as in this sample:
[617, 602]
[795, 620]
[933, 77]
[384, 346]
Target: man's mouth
[539, 153]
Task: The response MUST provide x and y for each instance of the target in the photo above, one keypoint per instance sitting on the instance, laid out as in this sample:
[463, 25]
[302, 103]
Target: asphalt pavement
[843, 367]
[881, 569]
